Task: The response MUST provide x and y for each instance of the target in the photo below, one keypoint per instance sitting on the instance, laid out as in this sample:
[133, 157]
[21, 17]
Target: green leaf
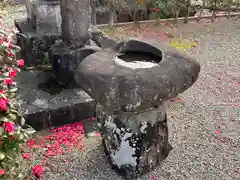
[6, 74]
[1, 131]
[22, 121]
[11, 95]
[4, 119]
[12, 116]
[25, 135]
[29, 130]
[2, 155]
[15, 112]
[3, 96]
[13, 90]
[20, 136]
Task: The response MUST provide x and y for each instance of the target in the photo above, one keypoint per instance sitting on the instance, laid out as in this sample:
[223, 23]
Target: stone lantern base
[135, 143]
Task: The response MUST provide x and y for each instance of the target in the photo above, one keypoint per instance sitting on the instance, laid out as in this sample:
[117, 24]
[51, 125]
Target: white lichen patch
[124, 154]
[143, 127]
[42, 103]
[134, 64]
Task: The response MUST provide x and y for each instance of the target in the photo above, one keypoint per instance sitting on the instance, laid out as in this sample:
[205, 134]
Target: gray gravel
[198, 153]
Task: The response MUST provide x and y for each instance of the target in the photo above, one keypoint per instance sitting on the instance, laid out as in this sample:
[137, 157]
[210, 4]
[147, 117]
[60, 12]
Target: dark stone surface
[65, 61]
[44, 16]
[104, 41]
[101, 39]
[134, 143]
[35, 47]
[43, 110]
[120, 88]
[102, 15]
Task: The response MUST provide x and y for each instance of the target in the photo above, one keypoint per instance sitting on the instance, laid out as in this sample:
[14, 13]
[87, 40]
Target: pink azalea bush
[13, 131]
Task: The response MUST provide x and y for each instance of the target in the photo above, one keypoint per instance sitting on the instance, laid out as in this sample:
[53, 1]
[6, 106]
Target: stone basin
[130, 83]
[136, 75]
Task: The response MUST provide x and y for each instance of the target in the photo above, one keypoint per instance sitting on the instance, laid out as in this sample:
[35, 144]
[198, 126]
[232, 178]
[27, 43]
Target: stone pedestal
[44, 16]
[135, 143]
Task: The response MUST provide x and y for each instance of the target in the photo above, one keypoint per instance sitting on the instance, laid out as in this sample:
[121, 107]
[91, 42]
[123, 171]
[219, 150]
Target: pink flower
[2, 171]
[13, 73]
[31, 143]
[217, 131]
[26, 155]
[3, 39]
[11, 138]
[155, 9]
[8, 126]
[11, 55]
[20, 63]
[91, 118]
[97, 134]
[37, 171]
[8, 81]
[177, 100]
[3, 105]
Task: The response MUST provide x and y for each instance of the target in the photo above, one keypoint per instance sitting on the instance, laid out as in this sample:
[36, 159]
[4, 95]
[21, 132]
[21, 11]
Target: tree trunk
[76, 21]
[200, 14]
[214, 11]
[135, 13]
[229, 13]
[188, 11]
[229, 3]
[94, 12]
[176, 15]
[111, 18]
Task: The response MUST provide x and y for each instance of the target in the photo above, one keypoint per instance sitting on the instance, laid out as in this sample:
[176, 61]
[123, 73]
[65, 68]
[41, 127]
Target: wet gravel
[212, 103]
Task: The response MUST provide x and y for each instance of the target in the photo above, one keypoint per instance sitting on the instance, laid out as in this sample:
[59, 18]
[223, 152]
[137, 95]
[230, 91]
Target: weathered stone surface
[134, 143]
[148, 73]
[35, 47]
[103, 41]
[76, 21]
[65, 61]
[103, 14]
[44, 16]
[47, 105]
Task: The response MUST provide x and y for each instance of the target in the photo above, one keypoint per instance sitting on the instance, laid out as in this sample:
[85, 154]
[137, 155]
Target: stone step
[46, 105]
[34, 46]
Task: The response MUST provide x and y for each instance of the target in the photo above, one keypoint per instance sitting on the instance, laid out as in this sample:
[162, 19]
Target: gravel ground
[199, 151]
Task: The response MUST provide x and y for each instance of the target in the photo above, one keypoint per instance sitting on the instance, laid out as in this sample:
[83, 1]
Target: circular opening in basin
[138, 60]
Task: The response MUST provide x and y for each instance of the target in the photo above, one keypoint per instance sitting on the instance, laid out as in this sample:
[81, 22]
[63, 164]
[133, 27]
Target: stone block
[65, 61]
[44, 104]
[35, 47]
[44, 16]
[134, 143]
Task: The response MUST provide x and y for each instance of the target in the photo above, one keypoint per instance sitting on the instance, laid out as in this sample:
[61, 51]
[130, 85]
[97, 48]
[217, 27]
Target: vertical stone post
[76, 21]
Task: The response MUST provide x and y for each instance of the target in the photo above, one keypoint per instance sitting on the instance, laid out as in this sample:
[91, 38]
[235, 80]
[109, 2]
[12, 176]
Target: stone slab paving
[199, 151]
